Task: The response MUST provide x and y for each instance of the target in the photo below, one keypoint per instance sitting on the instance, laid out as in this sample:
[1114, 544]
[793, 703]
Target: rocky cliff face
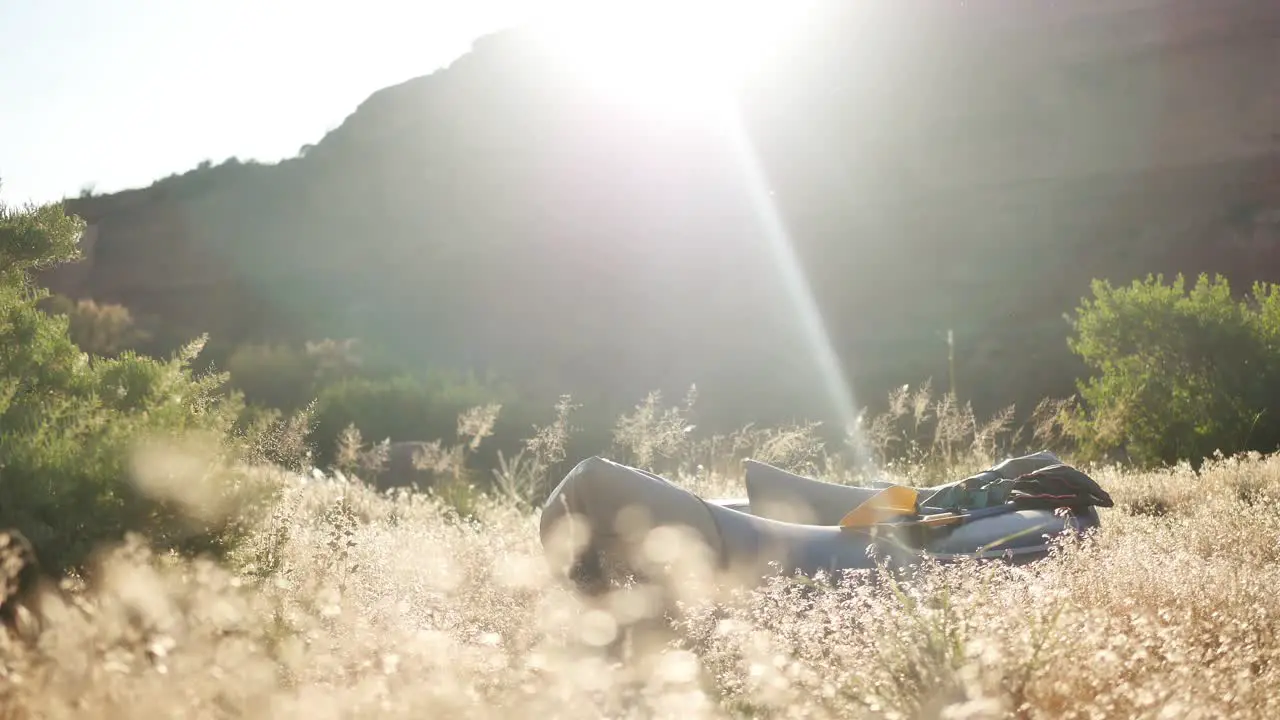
[935, 165]
[140, 250]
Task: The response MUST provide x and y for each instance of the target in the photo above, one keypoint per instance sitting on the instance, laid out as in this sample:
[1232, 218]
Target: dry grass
[349, 604]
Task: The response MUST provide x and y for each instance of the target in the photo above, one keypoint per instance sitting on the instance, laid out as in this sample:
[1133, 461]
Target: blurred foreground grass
[345, 603]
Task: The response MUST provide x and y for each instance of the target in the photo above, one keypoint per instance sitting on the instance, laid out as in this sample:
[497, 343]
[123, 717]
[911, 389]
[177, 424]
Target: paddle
[893, 501]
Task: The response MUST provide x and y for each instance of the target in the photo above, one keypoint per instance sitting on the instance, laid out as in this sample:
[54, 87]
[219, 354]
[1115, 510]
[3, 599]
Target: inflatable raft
[596, 522]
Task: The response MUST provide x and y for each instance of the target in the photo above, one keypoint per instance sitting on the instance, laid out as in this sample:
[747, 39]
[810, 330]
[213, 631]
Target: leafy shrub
[79, 458]
[402, 407]
[288, 378]
[334, 359]
[105, 329]
[273, 376]
[1181, 375]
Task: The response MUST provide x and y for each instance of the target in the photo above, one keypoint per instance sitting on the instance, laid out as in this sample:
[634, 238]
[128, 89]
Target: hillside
[961, 166]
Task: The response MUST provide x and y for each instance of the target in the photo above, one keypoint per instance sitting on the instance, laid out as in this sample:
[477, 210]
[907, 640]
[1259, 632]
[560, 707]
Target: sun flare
[665, 55]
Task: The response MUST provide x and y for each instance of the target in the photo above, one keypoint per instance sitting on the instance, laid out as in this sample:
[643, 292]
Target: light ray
[778, 243]
[665, 59]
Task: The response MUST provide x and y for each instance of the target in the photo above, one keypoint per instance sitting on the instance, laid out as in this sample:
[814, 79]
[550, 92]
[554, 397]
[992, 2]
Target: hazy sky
[119, 93]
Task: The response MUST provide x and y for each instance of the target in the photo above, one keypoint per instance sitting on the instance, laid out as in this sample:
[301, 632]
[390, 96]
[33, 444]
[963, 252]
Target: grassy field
[344, 603]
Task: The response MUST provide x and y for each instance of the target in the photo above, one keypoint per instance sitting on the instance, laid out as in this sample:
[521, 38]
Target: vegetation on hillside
[214, 573]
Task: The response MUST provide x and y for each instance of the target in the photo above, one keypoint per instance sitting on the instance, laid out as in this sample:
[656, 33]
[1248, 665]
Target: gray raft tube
[781, 495]
[594, 528]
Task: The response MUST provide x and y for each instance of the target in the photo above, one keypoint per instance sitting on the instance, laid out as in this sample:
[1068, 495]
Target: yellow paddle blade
[892, 501]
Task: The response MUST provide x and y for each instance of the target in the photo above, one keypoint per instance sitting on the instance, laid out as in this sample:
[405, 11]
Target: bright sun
[669, 56]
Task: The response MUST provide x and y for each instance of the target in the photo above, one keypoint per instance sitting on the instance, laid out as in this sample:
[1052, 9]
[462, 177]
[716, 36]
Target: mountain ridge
[516, 218]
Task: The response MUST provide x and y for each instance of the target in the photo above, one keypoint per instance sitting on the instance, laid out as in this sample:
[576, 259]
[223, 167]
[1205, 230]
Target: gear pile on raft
[596, 523]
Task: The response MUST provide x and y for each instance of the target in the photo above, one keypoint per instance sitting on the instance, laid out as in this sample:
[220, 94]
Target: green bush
[105, 329]
[274, 376]
[72, 424]
[403, 407]
[1179, 375]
